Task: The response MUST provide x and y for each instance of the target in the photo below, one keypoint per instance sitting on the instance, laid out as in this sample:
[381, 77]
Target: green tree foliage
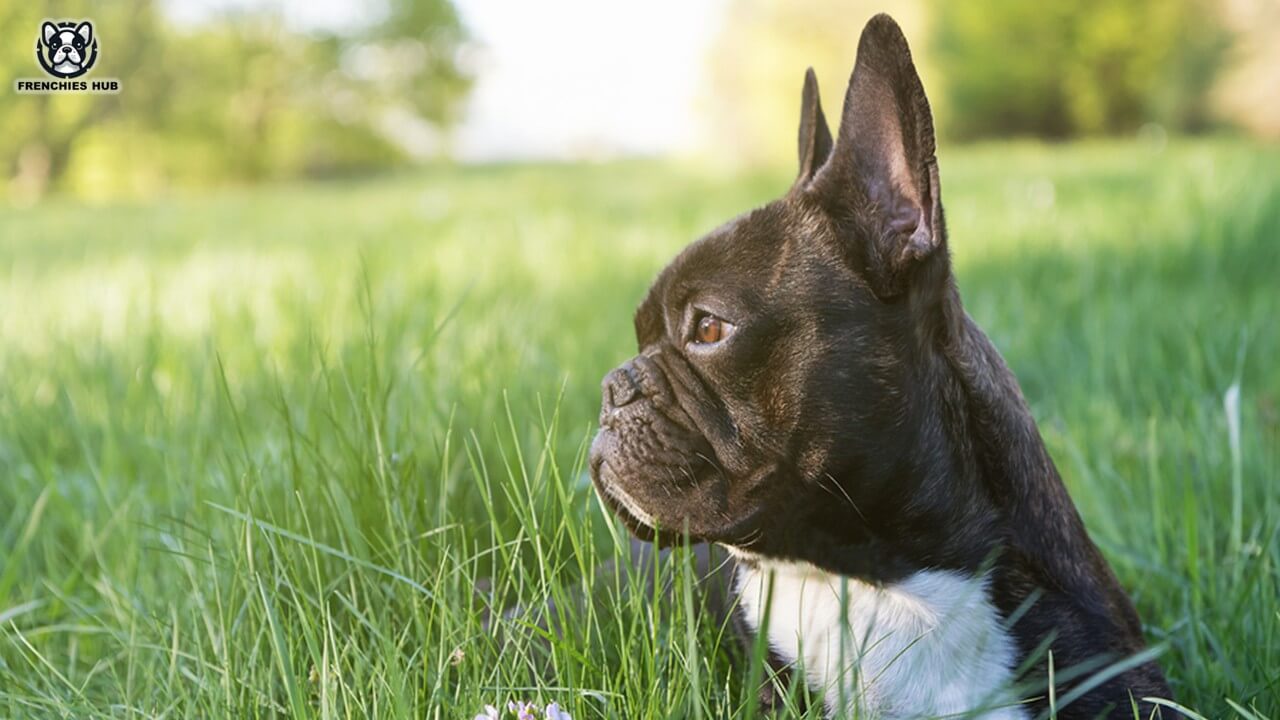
[1080, 67]
[241, 96]
[991, 67]
[39, 132]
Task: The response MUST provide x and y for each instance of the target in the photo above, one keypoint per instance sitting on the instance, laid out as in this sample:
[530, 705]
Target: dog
[810, 394]
[68, 51]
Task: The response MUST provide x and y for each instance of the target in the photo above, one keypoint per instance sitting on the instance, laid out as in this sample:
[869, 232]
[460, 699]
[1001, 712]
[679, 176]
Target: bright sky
[572, 77]
[559, 78]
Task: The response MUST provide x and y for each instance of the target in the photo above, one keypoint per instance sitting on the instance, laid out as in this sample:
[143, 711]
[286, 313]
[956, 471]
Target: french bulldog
[810, 394]
[68, 50]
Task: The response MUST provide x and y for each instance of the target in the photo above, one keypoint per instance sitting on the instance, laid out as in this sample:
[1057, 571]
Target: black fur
[855, 417]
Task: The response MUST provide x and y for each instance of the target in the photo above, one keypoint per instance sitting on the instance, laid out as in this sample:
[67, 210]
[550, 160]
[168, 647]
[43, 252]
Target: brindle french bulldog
[811, 395]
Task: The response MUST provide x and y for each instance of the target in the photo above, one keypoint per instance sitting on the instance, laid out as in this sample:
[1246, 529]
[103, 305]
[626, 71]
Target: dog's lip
[738, 534]
[642, 530]
[633, 523]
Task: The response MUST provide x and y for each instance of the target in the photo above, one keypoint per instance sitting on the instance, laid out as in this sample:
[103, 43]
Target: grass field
[257, 447]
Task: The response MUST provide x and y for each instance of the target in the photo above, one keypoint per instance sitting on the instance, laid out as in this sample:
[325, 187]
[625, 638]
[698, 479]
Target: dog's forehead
[739, 250]
[742, 256]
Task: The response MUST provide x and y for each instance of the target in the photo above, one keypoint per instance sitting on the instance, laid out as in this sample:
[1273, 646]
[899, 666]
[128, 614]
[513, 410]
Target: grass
[257, 448]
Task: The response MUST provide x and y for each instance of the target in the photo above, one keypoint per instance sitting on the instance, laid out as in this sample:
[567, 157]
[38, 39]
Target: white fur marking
[931, 645]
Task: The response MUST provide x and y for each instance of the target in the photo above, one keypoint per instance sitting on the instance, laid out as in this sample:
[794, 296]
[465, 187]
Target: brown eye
[710, 330]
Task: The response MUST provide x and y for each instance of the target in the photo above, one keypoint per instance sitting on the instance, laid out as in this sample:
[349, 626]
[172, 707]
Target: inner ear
[48, 31]
[815, 137]
[883, 162]
[85, 31]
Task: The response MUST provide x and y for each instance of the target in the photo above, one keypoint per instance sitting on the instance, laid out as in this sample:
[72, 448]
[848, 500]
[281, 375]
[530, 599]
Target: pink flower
[490, 713]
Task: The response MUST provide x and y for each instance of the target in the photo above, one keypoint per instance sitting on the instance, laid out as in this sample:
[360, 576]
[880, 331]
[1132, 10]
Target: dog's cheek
[813, 460]
[775, 403]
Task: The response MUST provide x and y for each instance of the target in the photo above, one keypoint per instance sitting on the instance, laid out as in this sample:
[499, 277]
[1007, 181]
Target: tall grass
[291, 452]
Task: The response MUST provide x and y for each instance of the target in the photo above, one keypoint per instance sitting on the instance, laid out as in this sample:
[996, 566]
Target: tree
[38, 132]
[239, 96]
[1085, 67]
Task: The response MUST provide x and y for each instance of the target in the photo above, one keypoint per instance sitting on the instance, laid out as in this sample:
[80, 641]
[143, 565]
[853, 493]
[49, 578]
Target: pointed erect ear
[815, 137]
[884, 161]
[47, 31]
[85, 31]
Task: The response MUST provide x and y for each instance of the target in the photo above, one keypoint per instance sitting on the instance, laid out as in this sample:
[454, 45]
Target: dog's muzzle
[618, 390]
[67, 55]
[648, 455]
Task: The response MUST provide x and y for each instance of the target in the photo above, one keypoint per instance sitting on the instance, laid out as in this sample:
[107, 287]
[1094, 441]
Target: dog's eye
[711, 330]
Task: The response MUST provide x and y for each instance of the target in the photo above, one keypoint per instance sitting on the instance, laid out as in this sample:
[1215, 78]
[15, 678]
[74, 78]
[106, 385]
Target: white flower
[523, 711]
[554, 712]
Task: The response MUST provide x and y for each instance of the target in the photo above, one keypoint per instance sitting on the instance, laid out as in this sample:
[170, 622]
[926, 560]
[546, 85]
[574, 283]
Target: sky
[583, 77]
[558, 79]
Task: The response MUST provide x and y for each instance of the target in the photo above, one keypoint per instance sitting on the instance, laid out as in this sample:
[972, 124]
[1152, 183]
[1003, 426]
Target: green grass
[257, 448]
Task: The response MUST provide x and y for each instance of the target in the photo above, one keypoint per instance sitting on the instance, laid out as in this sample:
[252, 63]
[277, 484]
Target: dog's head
[66, 48]
[777, 354]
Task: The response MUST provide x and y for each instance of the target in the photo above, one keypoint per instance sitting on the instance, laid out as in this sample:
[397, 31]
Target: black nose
[619, 388]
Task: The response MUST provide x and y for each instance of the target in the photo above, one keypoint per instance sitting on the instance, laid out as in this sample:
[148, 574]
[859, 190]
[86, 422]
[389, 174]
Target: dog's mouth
[708, 526]
[655, 462]
[620, 503]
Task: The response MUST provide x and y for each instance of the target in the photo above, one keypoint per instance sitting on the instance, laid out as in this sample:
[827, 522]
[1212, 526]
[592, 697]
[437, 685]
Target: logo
[66, 50]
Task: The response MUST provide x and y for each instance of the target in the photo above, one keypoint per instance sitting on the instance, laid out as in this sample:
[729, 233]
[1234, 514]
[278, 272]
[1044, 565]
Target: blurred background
[239, 91]
[301, 333]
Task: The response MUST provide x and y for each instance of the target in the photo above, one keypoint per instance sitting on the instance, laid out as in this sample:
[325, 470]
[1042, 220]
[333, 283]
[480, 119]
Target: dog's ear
[85, 31]
[815, 136]
[47, 31]
[882, 168]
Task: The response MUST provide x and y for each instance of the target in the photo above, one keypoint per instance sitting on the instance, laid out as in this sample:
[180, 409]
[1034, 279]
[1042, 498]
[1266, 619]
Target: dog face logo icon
[67, 49]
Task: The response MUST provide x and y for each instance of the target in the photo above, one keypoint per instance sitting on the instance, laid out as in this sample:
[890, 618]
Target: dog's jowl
[810, 394]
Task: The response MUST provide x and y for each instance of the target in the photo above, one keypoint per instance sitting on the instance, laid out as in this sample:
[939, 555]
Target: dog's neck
[976, 485]
[999, 454]
[972, 488]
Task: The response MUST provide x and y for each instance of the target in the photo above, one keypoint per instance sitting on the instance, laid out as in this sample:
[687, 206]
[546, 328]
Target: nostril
[620, 388]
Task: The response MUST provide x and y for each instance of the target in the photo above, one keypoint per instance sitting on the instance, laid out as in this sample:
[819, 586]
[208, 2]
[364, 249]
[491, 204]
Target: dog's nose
[619, 388]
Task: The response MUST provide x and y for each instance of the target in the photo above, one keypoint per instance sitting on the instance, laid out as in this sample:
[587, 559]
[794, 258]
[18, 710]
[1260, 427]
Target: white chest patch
[931, 645]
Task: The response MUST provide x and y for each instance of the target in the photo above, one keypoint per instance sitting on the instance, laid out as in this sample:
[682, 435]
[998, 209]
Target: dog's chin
[633, 524]
[617, 500]
[644, 526]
